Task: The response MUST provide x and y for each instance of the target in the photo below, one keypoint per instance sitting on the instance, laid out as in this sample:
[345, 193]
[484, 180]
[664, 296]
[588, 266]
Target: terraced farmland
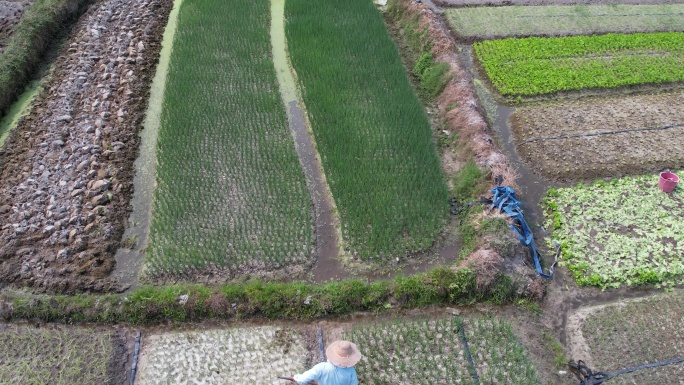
[231, 195]
[536, 66]
[370, 129]
[598, 138]
[477, 23]
[431, 351]
[623, 232]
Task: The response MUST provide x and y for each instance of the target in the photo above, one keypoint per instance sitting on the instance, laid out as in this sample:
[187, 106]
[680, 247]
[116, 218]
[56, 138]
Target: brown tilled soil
[471, 3]
[540, 134]
[66, 171]
[10, 14]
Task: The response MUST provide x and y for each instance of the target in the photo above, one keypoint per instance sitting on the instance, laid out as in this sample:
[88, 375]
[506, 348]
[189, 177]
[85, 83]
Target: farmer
[338, 370]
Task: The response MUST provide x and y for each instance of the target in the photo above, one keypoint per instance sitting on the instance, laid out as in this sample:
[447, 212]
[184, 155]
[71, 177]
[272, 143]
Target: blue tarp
[504, 199]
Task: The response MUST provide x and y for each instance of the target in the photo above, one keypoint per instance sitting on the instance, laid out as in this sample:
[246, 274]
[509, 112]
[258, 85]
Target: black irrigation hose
[469, 358]
[598, 15]
[321, 346]
[136, 350]
[587, 377]
[600, 133]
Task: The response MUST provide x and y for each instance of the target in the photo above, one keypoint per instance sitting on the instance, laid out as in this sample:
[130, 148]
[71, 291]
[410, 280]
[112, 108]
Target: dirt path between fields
[66, 171]
[327, 222]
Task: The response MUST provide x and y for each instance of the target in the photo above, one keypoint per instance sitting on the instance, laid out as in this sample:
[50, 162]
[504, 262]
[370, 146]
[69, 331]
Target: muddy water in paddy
[328, 233]
[130, 257]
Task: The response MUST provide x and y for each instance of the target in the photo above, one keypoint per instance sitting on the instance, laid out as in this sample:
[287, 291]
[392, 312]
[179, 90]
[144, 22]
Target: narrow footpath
[328, 230]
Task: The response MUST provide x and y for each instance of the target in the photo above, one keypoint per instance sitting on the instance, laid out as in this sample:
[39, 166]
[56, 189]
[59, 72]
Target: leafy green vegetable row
[535, 66]
[622, 232]
[370, 128]
[230, 190]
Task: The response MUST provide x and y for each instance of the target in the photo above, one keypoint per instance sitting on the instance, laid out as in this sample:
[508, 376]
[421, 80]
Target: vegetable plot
[371, 130]
[224, 356]
[59, 356]
[555, 20]
[645, 331]
[622, 232]
[230, 190]
[535, 66]
[592, 139]
[428, 351]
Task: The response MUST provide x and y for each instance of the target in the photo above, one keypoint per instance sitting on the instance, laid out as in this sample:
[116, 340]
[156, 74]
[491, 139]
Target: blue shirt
[328, 374]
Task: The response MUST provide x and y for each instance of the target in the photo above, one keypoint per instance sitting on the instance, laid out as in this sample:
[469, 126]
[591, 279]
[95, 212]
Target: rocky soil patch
[10, 14]
[66, 171]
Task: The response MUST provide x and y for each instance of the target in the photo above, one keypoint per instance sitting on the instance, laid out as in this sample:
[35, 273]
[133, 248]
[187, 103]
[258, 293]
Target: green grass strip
[258, 299]
[230, 191]
[561, 20]
[535, 66]
[370, 128]
[623, 232]
[32, 36]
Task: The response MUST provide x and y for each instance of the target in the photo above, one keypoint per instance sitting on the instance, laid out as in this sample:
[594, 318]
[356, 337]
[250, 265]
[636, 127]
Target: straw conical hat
[343, 354]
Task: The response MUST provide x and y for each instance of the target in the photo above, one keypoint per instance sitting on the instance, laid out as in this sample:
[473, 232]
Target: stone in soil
[60, 183]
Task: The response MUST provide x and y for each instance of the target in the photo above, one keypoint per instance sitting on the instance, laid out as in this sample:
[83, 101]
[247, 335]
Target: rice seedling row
[230, 191]
[429, 351]
[643, 331]
[370, 128]
[561, 20]
[633, 135]
[622, 232]
[55, 355]
[536, 66]
[228, 356]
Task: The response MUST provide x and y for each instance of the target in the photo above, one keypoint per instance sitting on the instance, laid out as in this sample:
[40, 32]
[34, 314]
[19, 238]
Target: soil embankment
[66, 171]
[10, 14]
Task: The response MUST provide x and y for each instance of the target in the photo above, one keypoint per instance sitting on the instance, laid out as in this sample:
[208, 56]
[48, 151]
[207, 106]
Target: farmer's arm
[310, 375]
[355, 379]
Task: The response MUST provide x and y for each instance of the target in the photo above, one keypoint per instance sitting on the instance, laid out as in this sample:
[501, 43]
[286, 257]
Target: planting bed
[370, 128]
[622, 232]
[478, 23]
[60, 356]
[471, 3]
[624, 335]
[66, 170]
[10, 14]
[536, 66]
[547, 136]
[230, 195]
[430, 351]
[230, 356]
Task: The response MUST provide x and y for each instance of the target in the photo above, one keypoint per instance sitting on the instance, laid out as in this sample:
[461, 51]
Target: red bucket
[668, 181]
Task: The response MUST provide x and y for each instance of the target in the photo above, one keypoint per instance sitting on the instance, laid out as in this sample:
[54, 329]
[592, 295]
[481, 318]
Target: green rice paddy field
[480, 23]
[230, 191]
[370, 128]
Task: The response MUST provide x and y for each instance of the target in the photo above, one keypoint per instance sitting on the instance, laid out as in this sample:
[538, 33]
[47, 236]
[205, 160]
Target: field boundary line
[329, 240]
[536, 139]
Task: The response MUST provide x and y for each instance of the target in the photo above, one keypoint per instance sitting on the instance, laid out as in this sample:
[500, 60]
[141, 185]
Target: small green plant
[469, 182]
[560, 358]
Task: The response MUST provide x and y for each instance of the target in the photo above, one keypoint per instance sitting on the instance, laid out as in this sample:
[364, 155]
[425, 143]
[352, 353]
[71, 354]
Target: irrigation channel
[327, 224]
[532, 187]
[131, 255]
[19, 109]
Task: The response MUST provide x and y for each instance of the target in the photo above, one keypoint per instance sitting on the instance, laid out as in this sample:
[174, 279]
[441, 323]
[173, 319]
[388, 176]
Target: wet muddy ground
[66, 171]
[602, 138]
